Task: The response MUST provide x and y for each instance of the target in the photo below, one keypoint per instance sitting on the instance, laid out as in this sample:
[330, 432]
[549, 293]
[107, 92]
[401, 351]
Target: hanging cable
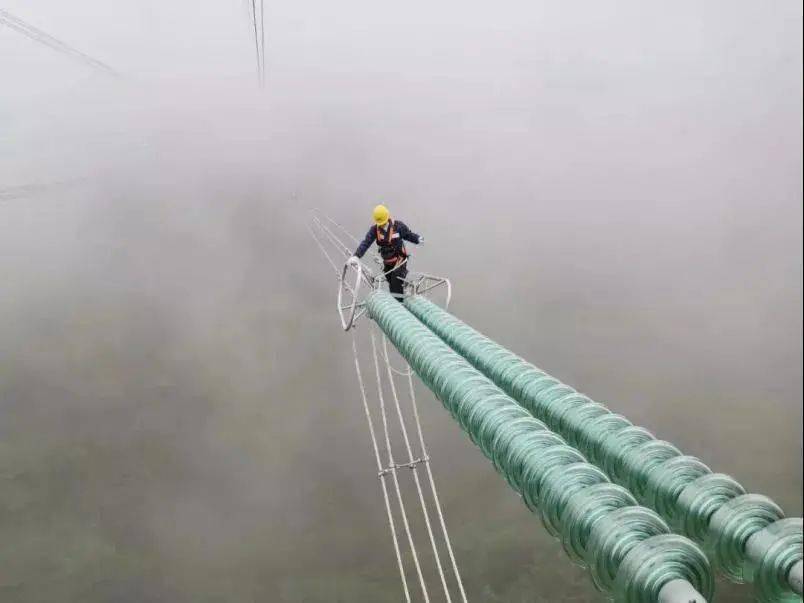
[315, 226]
[413, 464]
[262, 41]
[37, 35]
[381, 474]
[431, 479]
[392, 468]
[256, 42]
[23, 191]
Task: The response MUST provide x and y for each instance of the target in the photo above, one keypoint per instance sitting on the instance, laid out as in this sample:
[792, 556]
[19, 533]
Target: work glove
[354, 258]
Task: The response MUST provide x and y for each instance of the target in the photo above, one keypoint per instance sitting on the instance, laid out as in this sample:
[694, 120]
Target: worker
[390, 236]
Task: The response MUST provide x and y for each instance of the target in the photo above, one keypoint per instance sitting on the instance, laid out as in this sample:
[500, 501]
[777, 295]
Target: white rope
[392, 469]
[441, 521]
[414, 469]
[380, 472]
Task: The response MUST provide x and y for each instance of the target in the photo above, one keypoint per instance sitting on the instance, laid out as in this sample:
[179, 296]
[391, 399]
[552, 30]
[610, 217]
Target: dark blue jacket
[392, 248]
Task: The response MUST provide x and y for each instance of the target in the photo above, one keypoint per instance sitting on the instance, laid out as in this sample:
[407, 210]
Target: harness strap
[389, 235]
[387, 240]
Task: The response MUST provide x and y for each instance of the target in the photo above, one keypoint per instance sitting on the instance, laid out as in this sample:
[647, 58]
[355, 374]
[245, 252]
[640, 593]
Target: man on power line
[390, 236]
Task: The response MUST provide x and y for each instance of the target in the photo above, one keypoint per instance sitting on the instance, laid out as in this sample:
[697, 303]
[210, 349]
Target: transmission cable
[256, 41]
[262, 39]
[37, 35]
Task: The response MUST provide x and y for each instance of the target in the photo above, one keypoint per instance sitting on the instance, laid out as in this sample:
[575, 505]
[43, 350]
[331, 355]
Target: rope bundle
[628, 549]
[711, 508]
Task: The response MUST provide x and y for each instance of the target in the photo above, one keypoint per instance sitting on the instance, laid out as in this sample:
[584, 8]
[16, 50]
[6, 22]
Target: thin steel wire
[24, 191]
[634, 556]
[262, 39]
[415, 471]
[711, 508]
[315, 223]
[324, 251]
[37, 35]
[256, 41]
[332, 238]
[431, 479]
[337, 225]
[392, 471]
[382, 475]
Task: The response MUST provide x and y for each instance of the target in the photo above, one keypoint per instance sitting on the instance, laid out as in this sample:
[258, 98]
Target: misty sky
[614, 188]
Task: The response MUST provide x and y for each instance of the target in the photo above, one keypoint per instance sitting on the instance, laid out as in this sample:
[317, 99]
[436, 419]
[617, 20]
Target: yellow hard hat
[381, 215]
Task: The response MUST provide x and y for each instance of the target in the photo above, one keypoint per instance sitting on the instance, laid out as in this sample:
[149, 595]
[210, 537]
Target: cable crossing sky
[257, 15]
[37, 35]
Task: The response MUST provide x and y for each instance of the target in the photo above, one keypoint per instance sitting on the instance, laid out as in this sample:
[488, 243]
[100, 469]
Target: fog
[614, 188]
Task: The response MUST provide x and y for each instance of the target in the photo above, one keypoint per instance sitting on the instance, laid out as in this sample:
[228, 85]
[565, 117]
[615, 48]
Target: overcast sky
[716, 40]
[614, 187]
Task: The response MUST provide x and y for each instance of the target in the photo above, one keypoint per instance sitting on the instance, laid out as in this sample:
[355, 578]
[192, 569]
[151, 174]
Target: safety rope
[628, 549]
[745, 535]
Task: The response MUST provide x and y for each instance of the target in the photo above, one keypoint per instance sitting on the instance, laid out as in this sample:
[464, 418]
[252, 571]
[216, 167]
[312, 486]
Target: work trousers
[396, 278]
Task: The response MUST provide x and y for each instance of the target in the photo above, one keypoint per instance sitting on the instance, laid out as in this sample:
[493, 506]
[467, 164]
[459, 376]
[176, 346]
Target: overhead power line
[256, 40]
[37, 35]
[24, 191]
[257, 14]
[262, 40]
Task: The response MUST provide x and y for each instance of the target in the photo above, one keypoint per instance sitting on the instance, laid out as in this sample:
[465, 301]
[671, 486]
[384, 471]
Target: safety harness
[390, 244]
